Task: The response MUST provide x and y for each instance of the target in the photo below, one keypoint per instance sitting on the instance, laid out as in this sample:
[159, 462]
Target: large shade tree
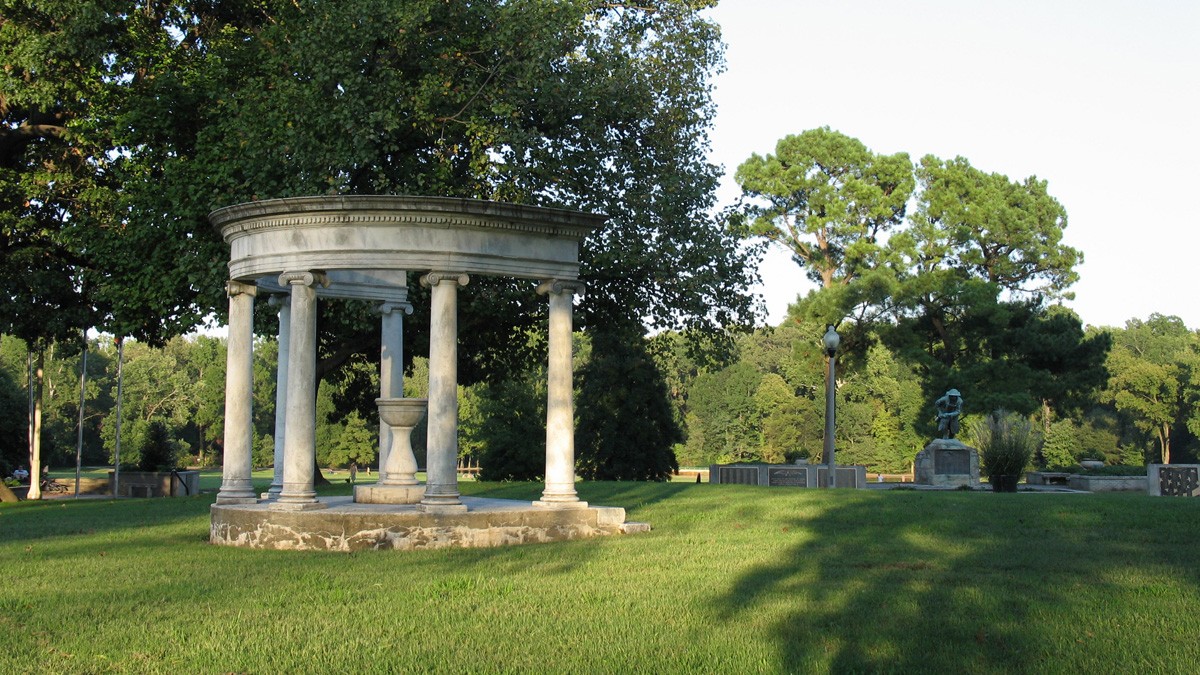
[962, 287]
[174, 108]
[171, 108]
[832, 203]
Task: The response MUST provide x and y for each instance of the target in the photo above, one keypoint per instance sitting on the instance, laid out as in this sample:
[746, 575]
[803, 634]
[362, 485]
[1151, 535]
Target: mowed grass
[732, 579]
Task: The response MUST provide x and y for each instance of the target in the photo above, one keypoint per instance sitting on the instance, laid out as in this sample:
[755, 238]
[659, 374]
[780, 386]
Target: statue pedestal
[947, 462]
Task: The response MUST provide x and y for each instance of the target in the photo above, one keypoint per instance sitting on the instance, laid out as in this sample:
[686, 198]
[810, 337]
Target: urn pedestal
[399, 483]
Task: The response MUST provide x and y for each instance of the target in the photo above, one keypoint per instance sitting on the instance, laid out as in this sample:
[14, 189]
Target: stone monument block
[1173, 480]
[947, 462]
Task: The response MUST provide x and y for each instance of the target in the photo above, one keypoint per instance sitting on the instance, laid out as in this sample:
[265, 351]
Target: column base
[442, 508]
[576, 504]
[297, 506]
[236, 492]
[389, 494]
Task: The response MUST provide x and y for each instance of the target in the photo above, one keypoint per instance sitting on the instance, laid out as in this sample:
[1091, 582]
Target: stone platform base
[347, 526]
[389, 494]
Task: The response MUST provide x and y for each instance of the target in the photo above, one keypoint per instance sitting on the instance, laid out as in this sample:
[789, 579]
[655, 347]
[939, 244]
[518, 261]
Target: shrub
[157, 452]
[1005, 441]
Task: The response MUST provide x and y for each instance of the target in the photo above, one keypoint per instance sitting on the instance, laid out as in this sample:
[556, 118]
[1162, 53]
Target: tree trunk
[201, 430]
[319, 478]
[1164, 439]
[939, 325]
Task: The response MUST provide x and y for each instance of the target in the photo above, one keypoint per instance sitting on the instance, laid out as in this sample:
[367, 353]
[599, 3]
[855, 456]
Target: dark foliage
[626, 426]
[157, 451]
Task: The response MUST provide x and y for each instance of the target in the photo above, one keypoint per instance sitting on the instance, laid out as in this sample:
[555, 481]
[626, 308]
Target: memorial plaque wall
[739, 475]
[785, 475]
[847, 476]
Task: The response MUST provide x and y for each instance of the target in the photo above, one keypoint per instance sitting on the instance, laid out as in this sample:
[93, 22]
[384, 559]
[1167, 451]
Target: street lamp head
[831, 340]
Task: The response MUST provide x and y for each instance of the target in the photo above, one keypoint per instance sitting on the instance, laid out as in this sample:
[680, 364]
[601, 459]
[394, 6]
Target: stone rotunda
[301, 251]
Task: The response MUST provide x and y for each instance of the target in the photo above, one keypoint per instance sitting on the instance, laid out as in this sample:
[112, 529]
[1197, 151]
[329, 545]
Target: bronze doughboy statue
[949, 410]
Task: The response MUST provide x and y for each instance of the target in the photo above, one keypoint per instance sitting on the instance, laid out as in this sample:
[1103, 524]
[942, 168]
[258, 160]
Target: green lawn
[732, 579]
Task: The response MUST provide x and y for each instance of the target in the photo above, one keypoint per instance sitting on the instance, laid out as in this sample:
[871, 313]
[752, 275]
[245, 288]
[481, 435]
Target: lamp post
[831, 340]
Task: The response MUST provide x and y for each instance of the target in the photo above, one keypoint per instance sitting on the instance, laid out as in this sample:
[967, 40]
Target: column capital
[387, 307]
[304, 278]
[434, 278]
[560, 286]
[234, 287]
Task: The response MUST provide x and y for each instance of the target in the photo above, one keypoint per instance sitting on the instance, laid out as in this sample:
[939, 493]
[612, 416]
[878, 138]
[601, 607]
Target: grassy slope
[732, 579]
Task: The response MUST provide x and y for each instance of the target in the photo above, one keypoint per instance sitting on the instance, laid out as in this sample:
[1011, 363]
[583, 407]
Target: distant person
[21, 474]
[353, 472]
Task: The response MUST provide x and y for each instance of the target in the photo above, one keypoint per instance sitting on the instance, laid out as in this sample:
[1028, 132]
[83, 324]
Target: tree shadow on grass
[562, 557]
[629, 495]
[32, 521]
[938, 582]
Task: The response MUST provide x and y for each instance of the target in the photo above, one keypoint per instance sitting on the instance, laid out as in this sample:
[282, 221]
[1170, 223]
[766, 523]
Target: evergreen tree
[626, 427]
[511, 429]
[1060, 444]
[156, 451]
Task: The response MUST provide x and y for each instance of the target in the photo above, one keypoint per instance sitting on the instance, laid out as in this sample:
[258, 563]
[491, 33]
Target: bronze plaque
[787, 476]
[951, 461]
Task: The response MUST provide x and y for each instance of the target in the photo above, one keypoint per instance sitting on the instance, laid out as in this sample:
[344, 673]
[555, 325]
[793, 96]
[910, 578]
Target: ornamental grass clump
[1006, 442]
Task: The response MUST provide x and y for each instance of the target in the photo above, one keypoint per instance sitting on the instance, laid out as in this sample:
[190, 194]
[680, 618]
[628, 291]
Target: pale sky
[1100, 98]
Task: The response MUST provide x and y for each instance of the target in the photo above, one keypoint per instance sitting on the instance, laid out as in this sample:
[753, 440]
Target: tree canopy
[167, 110]
[832, 203]
[960, 288]
[1155, 365]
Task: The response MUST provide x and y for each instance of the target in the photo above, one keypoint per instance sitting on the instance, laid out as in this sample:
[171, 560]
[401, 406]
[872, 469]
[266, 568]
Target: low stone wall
[1107, 483]
[157, 483]
[89, 486]
[1047, 478]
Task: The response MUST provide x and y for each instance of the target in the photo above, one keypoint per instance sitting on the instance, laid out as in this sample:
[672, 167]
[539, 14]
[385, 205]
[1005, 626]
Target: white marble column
[441, 462]
[560, 404]
[236, 487]
[285, 330]
[299, 440]
[391, 368]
